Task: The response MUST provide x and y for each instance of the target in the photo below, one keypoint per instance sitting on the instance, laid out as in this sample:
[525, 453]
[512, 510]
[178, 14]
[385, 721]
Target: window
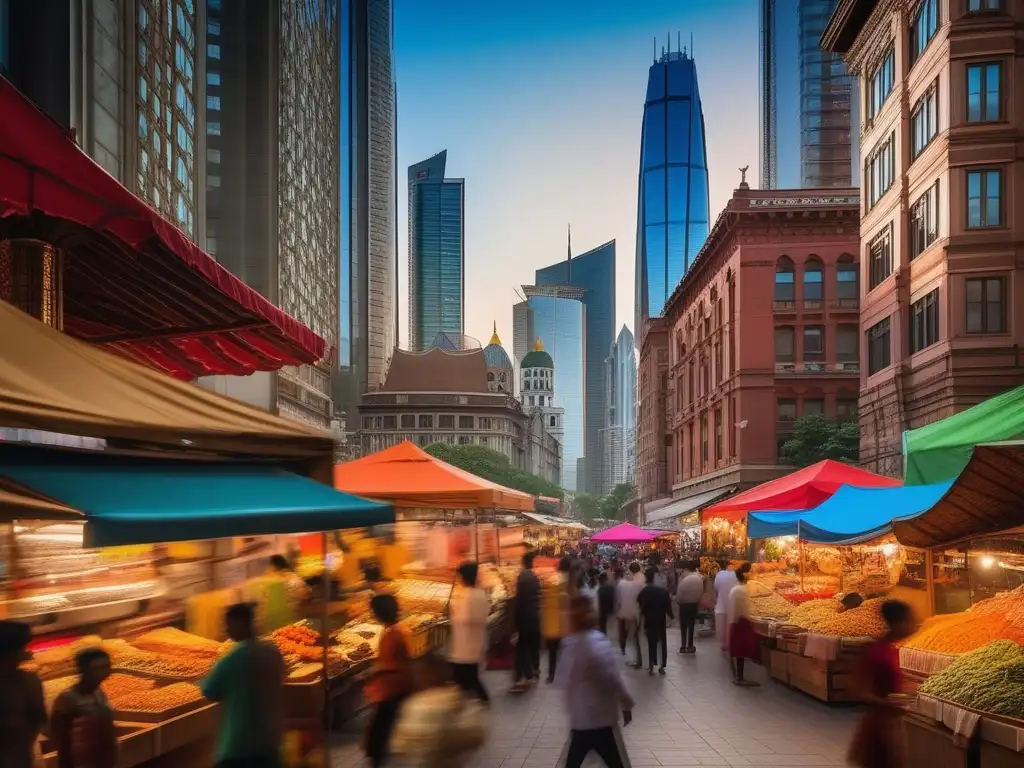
[390, 422]
[733, 439]
[880, 257]
[924, 221]
[880, 169]
[213, 78]
[814, 406]
[847, 283]
[880, 83]
[213, 129]
[408, 421]
[879, 349]
[213, 102]
[446, 421]
[704, 439]
[426, 421]
[924, 120]
[465, 440]
[786, 409]
[718, 363]
[973, 6]
[814, 344]
[984, 84]
[784, 346]
[213, 155]
[465, 422]
[924, 322]
[922, 29]
[718, 434]
[552, 422]
[785, 288]
[985, 301]
[812, 281]
[846, 407]
[213, 51]
[984, 199]
[847, 337]
[367, 422]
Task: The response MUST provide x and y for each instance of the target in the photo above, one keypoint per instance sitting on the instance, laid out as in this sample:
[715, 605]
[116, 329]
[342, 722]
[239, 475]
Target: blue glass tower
[437, 256]
[673, 209]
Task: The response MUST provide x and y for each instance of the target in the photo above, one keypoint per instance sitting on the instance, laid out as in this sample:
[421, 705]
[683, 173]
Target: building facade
[763, 331]
[592, 272]
[546, 421]
[437, 252]
[500, 370]
[940, 241]
[673, 210]
[652, 427]
[806, 100]
[618, 441]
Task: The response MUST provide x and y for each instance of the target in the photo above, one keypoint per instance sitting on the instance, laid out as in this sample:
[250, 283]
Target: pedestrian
[725, 580]
[605, 601]
[654, 561]
[82, 722]
[526, 615]
[469, 610]
[627, 609]
[743, 643]
[438, 724]
[688, 594]
[390, 679]
[22, 707]
[249, 685]
[555, 613]
[595, 692]
[878, 740]
[655, 612]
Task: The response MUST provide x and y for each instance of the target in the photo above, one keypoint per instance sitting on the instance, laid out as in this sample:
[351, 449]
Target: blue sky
[539, 105]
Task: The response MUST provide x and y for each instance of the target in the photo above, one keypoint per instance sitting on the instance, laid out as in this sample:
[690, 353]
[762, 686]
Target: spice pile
[158, 699]
[826, 617]
[987, 679]
[997, 618]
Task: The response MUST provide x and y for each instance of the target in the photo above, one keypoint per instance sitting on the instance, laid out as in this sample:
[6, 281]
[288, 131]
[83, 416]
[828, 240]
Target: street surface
[692, 716]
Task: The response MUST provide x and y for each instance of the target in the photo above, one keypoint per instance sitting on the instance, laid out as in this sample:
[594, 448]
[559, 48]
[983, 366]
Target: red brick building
[652, 427]
[763, 329]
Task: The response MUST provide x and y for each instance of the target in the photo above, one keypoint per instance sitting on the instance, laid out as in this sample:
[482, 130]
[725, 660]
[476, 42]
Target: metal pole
[324, 630]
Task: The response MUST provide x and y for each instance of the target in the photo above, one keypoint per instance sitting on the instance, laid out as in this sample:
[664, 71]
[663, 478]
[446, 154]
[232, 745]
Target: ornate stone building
[501, 374]
[652, 426]
[545, 427]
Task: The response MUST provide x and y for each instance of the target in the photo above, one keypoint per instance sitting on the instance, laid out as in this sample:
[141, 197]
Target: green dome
[537, 359]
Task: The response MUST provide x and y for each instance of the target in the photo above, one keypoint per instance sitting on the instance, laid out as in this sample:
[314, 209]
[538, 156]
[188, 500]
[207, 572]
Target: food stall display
[989, 679]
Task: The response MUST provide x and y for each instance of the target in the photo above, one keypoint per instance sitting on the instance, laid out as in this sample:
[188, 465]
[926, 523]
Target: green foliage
[620, 494]
[587, 506]
[816, 438]
[491, 465]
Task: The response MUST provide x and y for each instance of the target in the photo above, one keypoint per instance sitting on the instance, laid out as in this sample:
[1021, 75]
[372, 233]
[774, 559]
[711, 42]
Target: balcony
[784, 306]
[848, 367]
[785, 367]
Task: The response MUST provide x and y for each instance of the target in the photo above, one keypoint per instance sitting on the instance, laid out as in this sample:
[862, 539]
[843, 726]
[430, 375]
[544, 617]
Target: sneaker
[683, 650]
[651, 671]
[661, 670]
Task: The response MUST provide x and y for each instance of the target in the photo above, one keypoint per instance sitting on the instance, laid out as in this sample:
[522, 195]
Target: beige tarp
[50, 381]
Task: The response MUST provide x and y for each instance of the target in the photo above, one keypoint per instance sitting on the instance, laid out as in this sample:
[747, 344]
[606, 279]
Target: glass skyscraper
[620, 452]
[807, 99]
[437, 254]
[672, 209]
[594, 273]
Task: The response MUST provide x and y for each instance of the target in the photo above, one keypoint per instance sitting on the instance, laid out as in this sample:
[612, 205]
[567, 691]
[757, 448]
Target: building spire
[494, 336]
[568, 253]
[538, 346]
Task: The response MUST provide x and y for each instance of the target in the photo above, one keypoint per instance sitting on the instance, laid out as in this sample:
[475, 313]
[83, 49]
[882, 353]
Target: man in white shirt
[724, 582]
[627, 609]
[691, 587]
[468, 613]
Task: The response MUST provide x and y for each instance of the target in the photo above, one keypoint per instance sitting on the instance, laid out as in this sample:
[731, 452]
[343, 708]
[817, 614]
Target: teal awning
[128, 500]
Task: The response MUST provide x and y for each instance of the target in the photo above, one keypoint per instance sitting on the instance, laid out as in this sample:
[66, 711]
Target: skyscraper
[594, 273]
[806, 100]
[672, 208]
[368, 295]
[437, 252]
[619, 444]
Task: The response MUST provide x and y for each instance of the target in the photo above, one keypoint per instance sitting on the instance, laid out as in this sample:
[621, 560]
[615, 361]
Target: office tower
[437, 252]
[806, 100]
[619, 448]
[368, 294]
[673, 207]
[557, 316]
[594, 273]
[521, 344]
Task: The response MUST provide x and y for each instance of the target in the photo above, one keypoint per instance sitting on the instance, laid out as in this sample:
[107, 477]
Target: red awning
[133, 282]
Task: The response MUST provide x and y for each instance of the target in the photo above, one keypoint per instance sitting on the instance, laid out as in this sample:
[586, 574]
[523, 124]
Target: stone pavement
[693, 716]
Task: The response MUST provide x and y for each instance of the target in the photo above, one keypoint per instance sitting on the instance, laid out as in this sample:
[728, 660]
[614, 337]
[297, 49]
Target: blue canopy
[850, 515]
[130, 500]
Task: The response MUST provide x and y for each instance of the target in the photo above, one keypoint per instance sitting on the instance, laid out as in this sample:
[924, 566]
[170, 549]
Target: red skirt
[743, 642]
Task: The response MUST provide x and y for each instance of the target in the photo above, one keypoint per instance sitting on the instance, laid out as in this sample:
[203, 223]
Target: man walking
[691, 587]
[725, 580]
[628, 610]
[469, 610]
[526, 613]
[655, 612]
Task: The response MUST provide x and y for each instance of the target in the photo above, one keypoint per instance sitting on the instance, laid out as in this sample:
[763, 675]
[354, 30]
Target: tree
[493, 466]
[816, 438]
[587, 506]
[611, 503]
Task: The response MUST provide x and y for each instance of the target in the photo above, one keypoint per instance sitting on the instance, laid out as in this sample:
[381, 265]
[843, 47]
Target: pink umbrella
[624, 533]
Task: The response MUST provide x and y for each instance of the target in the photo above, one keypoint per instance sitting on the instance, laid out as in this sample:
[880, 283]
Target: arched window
[490, 377]
[785, 288]
[813, 288]
[847, 282]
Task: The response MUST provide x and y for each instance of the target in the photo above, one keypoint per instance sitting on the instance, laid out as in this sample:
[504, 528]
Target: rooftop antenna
[679, 40]
[691, 44]
[568, 255]
[654, 47]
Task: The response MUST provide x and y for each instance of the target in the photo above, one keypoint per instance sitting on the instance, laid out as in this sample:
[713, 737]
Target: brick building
[652, 428]
[942, 118]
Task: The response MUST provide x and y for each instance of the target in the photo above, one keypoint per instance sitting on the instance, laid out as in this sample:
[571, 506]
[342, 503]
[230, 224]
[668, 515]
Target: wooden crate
[932, 744]
[778, 666]
[996, 756]
[820, 679]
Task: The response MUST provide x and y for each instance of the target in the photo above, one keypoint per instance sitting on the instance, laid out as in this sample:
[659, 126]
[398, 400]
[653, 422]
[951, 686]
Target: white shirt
[469, 611]
[739, 603]
[626, 593]
[691, 587]
[724, 582]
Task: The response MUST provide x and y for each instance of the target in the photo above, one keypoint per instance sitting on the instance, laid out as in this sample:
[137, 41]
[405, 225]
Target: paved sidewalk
[692, 716]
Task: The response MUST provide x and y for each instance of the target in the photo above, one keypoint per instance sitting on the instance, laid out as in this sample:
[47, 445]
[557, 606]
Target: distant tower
[537, 389]
[500, 372]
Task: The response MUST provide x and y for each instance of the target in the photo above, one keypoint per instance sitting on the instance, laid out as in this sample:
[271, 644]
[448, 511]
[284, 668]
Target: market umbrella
[624, 533]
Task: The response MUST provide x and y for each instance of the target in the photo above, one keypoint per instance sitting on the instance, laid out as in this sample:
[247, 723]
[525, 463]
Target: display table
[828, 679]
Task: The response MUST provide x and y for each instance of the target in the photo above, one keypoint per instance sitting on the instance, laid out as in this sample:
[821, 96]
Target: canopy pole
[802, 566]
[324, 631]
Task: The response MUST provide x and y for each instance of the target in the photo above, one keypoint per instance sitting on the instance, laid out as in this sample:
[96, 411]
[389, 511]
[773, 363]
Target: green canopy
[132, 500]
[941, 450]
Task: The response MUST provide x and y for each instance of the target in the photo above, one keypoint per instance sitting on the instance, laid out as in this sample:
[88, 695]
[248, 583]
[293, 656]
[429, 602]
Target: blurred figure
[605, 600]
[438, 726]
[627, 608]
[878, 740]
[22, 707]
[526, 615]
[390, 679]
[555, 613]
[688, 594]
[725, 580]
[595, 692]
[743, 643]
[655, 612]
[249, 684]
[469, 610]
[82, 722]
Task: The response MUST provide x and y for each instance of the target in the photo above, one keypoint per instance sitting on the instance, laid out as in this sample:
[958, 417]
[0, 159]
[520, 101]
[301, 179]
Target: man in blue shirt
[595, 691]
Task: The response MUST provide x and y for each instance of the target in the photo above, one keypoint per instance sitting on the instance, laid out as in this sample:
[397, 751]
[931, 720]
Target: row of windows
[880, 170]
[846, 407]
[374, 443]
[813, 347]
[443, 421]
[813, 274]
[924, 120]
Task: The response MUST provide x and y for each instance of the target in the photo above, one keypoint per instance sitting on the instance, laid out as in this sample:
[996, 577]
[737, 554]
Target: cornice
[869, 44]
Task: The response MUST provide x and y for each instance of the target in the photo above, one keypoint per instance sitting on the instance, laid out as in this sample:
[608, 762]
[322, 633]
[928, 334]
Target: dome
[495, 354]
[538, 358]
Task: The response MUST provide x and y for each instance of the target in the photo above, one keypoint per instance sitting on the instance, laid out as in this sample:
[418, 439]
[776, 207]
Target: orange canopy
[408, 476]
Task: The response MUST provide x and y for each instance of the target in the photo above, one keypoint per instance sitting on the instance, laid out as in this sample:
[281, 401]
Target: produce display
[998, 618]
[709, 567]
[988, 679]
[770, 605]
[176, 643]
[158, 699]
[826, 560]
[420, 595]
[826, 617]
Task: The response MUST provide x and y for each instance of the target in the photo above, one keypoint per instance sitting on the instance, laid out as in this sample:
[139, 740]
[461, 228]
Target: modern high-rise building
[368, 296]
[594, 273]
[806, 100]
[618, 443]
[437, 252]
[673, 206]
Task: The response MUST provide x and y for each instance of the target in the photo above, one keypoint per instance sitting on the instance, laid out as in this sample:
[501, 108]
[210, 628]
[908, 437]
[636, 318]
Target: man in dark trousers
[605, 601]
[655, 613]
[526, 613]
